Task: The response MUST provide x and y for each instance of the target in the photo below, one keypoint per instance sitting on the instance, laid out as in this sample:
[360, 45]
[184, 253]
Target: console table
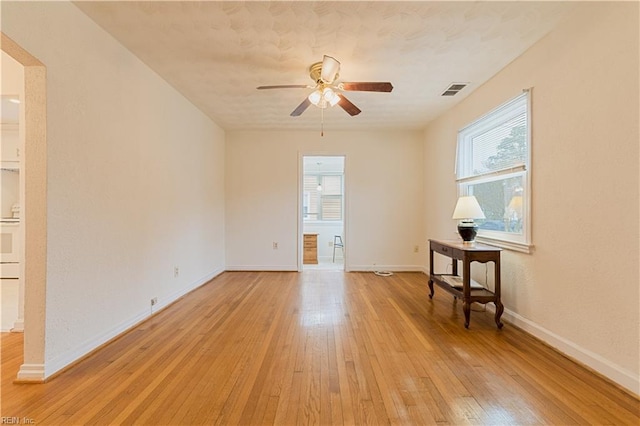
[467, 253]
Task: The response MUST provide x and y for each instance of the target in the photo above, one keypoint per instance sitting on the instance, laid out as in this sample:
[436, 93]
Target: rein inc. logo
[6, 420]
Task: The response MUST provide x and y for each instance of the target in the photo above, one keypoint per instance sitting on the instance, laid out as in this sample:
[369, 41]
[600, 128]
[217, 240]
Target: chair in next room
[337, 243]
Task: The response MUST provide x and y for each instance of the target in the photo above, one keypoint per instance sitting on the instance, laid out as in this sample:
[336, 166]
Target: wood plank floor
[318, 347]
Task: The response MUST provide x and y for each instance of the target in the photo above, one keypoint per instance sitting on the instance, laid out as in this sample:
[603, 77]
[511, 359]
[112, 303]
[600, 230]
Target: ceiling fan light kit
[324, 98]
[327, 92]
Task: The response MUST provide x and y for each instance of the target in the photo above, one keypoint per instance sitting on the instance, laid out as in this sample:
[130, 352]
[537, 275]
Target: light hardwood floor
[318, 347]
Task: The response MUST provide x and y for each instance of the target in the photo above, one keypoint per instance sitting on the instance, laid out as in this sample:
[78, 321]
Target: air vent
[454, 88]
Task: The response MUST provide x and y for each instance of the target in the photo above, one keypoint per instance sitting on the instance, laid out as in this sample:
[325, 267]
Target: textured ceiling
[217, 53]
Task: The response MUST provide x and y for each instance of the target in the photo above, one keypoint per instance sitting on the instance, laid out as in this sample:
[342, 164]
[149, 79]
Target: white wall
[135, 182]
[10, 181]
[9, 298]
[384, 196]
[579, 290]
[12, 131]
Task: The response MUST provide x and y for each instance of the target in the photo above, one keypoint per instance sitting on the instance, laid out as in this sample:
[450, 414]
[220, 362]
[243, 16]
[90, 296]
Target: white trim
[18, 326]
[31, 373]
[392, 268]
[528, 217]
[56, 364]
[505, 244]
[163, 302]
[9, 125]
[497, 173]
[327, 223]
[623, 377]
[261, 268]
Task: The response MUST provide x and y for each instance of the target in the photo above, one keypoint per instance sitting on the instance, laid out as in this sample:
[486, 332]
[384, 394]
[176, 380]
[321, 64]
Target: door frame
[345, 198]
[33, 211]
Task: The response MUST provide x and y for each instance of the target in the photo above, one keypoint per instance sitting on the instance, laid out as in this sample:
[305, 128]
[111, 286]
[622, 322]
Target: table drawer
[446, 250]
[439, 248]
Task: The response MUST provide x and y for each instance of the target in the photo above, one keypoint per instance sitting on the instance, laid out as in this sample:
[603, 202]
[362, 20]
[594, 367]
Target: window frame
[465, 178]
[319, 176]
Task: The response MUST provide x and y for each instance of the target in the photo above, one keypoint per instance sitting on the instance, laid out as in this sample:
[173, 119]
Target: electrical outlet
[330, 243]
[416, 249]
[176, 272]
[154, 301]
[275, 245]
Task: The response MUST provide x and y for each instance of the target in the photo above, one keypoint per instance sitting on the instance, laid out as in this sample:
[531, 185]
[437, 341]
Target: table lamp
[467, 209]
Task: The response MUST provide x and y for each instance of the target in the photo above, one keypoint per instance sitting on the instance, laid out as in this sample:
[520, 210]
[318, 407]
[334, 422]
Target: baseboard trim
[391, 268]
[39, 373]
[598, 364]
[164, 302]
[66, 360]
[622, 377]
[18, 326]
[30, 373]
[261, 268]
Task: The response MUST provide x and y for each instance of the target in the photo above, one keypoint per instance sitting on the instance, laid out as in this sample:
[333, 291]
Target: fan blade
[330, 68]
[301, 108]
[286, 86]
[348, 106]
[367, 86]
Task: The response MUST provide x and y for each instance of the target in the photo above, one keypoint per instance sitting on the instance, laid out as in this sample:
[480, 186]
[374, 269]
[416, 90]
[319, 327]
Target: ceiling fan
[328, 91]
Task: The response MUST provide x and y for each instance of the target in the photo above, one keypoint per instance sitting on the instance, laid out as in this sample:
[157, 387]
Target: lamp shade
[468, 207]
[330, 96]
[315, 97]
[515, 205]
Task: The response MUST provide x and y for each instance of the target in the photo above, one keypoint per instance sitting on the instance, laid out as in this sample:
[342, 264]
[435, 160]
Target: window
[493, 164]
[322, 197]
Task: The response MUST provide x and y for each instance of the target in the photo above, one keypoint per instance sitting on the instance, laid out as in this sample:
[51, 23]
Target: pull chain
[321, 121]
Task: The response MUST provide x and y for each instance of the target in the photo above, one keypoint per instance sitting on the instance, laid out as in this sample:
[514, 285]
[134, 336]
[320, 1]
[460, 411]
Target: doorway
[322, 207]
[11, 194]
[32, 210]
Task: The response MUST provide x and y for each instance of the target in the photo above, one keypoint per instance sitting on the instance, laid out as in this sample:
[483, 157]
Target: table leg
[466, 307]
[499, 310]
[430, 272]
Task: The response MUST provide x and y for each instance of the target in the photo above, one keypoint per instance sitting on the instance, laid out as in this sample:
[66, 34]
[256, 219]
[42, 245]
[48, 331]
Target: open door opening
[11, 194]
[323, 212]
[32, 206]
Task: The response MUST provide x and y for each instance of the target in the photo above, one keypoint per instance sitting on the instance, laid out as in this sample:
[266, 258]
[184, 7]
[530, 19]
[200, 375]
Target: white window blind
[496, 142]
[322, 197]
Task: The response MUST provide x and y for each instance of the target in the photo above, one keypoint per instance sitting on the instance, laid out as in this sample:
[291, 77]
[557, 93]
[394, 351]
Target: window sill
[508, 245]
[323, 222]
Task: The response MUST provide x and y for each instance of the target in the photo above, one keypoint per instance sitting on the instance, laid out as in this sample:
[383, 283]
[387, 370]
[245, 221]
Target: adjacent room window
[493, 164]
[322, 197]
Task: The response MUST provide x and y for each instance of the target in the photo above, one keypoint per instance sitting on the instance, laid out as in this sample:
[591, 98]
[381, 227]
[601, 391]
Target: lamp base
[468, 232]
